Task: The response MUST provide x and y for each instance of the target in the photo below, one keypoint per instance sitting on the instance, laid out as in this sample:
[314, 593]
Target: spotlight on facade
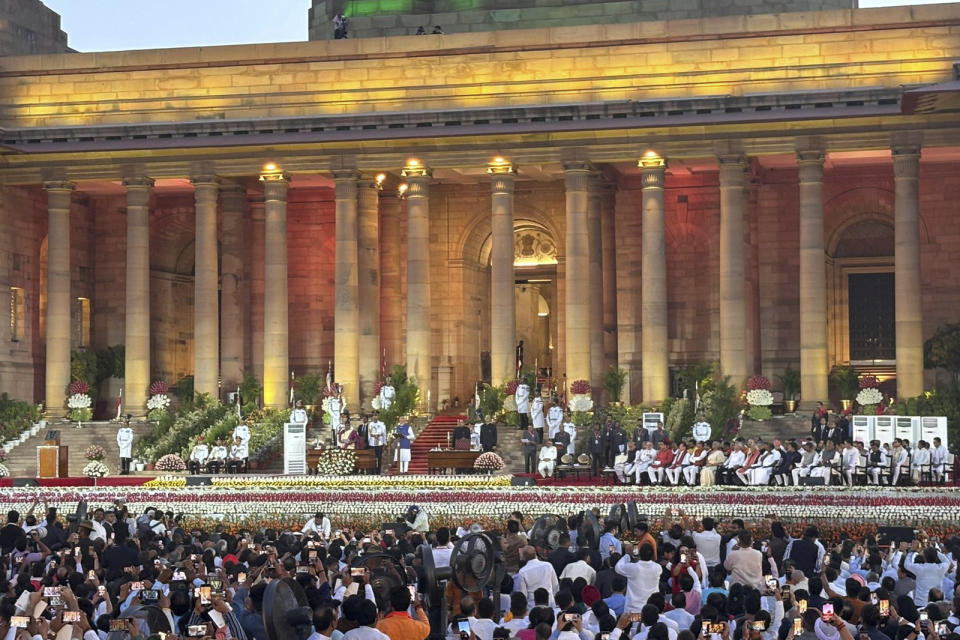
[500, 164]
[413, 163]
[270, 167]
[402, 189]
[381, 177]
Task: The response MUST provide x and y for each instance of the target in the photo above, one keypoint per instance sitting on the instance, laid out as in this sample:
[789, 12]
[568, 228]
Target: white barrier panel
[907, 428]
[934, 427]
[650, 421]
[883, 429]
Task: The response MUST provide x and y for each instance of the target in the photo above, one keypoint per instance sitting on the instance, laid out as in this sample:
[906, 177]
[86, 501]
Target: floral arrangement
[95, 469]
[79, 387]
[159, 402]
[337, 462]
[95, 452]
[489, 461]
[510, 388]
[4, 472]
[171, 462]
[580, 387]
[759, 398]
[869, 396]
[79, 405]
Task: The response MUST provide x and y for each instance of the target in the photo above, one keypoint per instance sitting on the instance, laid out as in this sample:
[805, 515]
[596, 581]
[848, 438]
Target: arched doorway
[862, 314]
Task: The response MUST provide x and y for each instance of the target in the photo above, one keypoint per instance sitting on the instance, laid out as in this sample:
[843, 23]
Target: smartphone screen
[873, 599]
[356, 572]
[884, 608]
[797, 626]
[51, 592]
[801, 606]
[197, 630]
[118, 625]
[241, 577]
[413, 592]
[19, 622]
[205, 594]
[827, 610]
[757, 625]
[136, 586]
[71, 616]
[683, 558]
[463, 627]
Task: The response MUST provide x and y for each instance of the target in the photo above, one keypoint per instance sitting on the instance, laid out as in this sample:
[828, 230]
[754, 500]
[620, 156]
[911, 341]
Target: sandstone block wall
[28, 26]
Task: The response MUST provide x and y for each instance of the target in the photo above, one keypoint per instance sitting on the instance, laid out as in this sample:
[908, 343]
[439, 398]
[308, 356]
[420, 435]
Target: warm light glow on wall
[270, 167]
[402, 189]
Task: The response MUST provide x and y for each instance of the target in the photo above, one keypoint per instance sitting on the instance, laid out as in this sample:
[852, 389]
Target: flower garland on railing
[159, 402]
[337, 462]
[759, 398]
[489, 461]
[79, 402]
[869, 396]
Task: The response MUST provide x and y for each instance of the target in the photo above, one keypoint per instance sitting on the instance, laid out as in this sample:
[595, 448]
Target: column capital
[730, 160]
[653, 171]
[732, 170]
[502, 182]
[138, 182]
[414, 169]
[810, 165]
[59, 185]
[274, 177]
[576, 175]
[577, 166]
[209, 180]
[811, 157]
[906, 161]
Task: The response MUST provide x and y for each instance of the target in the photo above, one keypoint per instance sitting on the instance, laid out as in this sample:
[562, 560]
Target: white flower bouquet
[580, 402]
[171, 462]
[4, 472]
[95, 469]
[489, 461]
[337, 462]
[759, 398]
[869, 398]
[79, 405]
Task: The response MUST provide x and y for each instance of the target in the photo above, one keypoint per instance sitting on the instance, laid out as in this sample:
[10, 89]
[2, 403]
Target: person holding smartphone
[398, 624]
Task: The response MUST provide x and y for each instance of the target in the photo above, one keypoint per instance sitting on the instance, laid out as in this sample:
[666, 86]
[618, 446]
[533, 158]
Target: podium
[52, 459]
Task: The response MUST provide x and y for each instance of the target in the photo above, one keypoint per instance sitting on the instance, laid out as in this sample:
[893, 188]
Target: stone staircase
[22, 461]
[782, 427]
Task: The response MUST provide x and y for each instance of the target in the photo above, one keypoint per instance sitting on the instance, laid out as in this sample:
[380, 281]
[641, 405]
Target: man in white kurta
[554, 419]
[377, 439]
[125, 444]
[938, 459]
[536, 415]
[921, 458]
[522, 397]
[547, 460]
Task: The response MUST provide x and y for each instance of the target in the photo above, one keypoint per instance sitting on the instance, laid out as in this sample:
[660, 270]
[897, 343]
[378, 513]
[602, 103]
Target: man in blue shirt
[249, 610]
[617, 599]
[608, 541]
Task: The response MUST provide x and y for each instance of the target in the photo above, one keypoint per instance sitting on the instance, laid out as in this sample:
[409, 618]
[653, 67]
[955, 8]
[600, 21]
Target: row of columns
[357, 280]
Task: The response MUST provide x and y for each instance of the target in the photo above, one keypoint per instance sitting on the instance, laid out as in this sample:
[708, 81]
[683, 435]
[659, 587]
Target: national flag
[292, 376]
[119, 405]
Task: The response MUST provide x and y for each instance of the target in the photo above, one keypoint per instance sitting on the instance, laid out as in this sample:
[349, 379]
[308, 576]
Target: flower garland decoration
[337, 462]
[159, 402]
[489, 461]
[4, 472]
[580, 400]
[171, 462]
[759, 398]
[95, 452]
[79, 386]
[95, 469]
[869, 395]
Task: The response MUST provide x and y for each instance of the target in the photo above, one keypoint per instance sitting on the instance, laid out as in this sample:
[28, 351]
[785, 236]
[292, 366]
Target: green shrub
[16, 416]
[845, 381]
[759, 413]
[938, 402]
[250, 390]
[307, 387]
[613, 381]
[491, 400]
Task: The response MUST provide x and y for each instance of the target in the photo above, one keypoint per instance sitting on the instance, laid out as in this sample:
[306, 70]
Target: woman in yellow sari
[715, 458]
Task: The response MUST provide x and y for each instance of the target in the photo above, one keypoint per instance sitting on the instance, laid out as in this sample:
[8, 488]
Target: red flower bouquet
[580, 387]
[79, 386]
[511, 387]
[159, 387]
[758, 382]
[869, 382]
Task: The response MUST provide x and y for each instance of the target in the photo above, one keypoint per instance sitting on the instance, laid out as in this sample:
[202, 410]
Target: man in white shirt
[708, 542]
[643, 577]
[849, 459]
[536, 415]
[642, 461]
[522, 397]
[548, 460]
[377, 438]
[443, 550]
[921, 459]
[580, 569]
[701, 430]
[198, 456]
[238, 456]
[554, 419]
[929, 573]
[735, 460]
[809, 459]
[536, 574]
[324, 622]
[938, 460]
[318, 524]
[299, 414]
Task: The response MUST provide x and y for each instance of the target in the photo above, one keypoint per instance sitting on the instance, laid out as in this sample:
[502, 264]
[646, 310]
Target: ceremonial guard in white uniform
[536, 415]
[554, 419]
[522, 398]
[198, 456]
[242, 431]
[218, 456]
[238, 456]
[125, 443]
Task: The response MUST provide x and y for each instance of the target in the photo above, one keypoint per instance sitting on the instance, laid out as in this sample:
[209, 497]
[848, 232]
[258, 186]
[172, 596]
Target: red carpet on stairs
[434, 435]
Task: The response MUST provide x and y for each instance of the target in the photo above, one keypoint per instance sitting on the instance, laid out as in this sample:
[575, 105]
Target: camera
[197, 630]
[149, 595]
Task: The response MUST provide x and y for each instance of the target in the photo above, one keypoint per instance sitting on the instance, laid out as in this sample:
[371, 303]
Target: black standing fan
[625, 515]
[589, 532]
[476, 562]
[546, 531]
[385, 574]
[280, 597]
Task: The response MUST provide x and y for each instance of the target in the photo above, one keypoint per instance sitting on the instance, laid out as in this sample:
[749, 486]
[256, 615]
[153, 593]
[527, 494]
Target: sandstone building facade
[762, 190]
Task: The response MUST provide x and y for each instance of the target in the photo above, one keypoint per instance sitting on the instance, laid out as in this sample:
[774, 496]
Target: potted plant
[790, 384]
[613, 381]
[845, 380]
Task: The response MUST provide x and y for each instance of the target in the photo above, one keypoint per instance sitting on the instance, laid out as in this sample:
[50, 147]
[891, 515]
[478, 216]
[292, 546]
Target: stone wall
[28, 26]
[379, 18]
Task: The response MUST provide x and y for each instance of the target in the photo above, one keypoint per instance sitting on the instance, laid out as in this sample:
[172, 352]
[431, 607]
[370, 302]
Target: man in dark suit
[562, 556]
[461, 432]
[488, 434]
[530, 440]
[597, 446]
[616, 443]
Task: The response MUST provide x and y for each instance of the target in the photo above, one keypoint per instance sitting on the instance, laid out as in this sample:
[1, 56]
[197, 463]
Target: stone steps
[22, 461]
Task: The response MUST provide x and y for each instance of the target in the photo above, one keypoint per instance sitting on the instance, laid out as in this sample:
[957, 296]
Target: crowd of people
[120, 575]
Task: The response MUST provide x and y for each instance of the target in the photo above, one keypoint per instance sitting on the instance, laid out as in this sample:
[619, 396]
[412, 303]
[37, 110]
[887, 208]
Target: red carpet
[434, 435]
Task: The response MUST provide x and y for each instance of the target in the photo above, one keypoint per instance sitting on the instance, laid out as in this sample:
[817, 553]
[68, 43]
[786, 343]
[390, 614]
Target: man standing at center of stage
[554, 417]
[536, 415]
[522, 398]
[377, 438]
[597, 447]
[125, 443]
[460, 432]
[404, 438]
[488, 434]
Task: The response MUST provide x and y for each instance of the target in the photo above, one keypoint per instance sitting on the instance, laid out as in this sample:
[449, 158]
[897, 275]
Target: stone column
[419, 357]
[137, 307]
[577, 272]
[733, 312]
[276, 335]
[233, 310]
[391, 271]
[503, 312]
[256, 233]
[369, 353]
[908, 299]
[595, 258]
[813, 281]
[59, 195]
[206, 304]
[653, 305]
[346, 320]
